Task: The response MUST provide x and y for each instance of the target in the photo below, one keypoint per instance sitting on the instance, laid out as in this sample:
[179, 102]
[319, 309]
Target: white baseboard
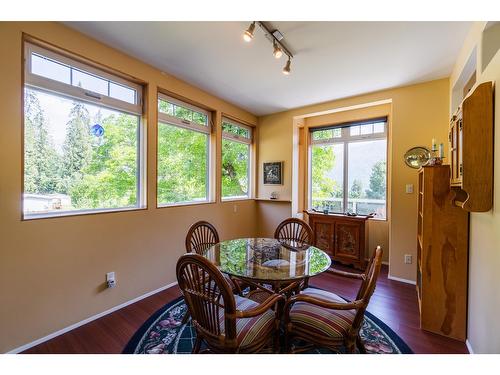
[469, 346]
[401, 280]
[88, 320]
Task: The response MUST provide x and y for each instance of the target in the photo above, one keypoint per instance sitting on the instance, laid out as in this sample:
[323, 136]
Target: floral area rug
[164, 333]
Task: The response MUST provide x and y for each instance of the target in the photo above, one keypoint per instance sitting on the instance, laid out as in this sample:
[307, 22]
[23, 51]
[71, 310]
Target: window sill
[183, 204]
[235, 199]
[273, 200]
[55, 215]
[379, 219]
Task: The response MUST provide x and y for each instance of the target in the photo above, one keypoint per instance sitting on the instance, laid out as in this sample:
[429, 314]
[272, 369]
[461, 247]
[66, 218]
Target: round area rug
[164, 333]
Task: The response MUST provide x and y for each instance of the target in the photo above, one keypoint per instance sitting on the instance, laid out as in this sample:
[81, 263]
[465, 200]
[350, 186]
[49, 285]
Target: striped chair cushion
[248, 329]
[332, 323]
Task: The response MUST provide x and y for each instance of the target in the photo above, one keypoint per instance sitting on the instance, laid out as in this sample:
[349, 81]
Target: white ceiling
[332, 59]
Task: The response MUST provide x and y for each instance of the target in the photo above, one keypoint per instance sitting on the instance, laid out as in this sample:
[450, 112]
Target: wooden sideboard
[344, 238]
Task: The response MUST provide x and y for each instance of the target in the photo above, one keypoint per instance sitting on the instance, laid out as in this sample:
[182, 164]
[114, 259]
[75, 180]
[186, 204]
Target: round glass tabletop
[267, 259]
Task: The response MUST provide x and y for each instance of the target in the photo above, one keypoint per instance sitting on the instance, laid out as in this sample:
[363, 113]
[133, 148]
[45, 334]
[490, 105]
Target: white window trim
[248, 141]
[166, 119]
[39, 83]
[345, 139]
[53, 214]
[191, 125]
[235, 137]
[50, 85]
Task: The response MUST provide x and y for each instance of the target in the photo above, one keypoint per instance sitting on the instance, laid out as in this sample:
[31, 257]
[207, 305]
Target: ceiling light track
[275, 37]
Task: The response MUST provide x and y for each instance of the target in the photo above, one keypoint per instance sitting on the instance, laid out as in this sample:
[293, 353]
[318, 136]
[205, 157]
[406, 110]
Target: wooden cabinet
[471, 150]
[343, 237]
[442, 255]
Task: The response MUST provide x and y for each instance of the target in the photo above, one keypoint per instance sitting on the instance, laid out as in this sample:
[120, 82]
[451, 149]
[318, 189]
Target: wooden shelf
[471, 150]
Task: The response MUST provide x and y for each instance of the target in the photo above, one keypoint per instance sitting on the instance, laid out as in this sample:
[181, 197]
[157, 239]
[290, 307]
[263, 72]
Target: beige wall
[52, 271]
[483, 327]
[419, 113]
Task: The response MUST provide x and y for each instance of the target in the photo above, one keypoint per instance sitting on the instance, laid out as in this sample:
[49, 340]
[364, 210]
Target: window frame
[249, 142]
[345, 139]
[49, 86]
[186, 124]
[75, 92]
[171, 120]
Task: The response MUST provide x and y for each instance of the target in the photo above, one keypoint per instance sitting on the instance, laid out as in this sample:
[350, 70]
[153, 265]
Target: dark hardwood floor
[395, 303]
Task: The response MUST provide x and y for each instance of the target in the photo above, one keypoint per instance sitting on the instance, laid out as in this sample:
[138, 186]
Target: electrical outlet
[235, 208]
[110, 280]
[408, 259]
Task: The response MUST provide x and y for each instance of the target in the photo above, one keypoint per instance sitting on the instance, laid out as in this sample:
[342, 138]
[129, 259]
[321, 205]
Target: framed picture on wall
[273, 173]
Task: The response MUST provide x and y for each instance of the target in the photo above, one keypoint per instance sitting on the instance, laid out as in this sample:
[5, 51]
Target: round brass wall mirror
[417, 157]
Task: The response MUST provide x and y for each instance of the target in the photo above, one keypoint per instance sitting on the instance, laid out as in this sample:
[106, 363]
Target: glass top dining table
[268, 260]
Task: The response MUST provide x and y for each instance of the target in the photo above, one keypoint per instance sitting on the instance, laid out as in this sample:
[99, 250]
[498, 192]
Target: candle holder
[435, 159]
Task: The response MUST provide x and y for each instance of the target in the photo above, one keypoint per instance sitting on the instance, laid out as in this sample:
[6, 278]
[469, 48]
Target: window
[183, 152]
[348, 168]
[82, 138]
[236, 146]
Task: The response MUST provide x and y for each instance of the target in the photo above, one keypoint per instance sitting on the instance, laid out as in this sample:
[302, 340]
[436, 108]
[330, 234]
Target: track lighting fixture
[276, 38]
[286, 69]
[277, 51]
[248, 34]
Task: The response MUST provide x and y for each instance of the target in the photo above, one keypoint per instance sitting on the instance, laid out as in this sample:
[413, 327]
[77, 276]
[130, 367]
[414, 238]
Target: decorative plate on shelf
[417, 157]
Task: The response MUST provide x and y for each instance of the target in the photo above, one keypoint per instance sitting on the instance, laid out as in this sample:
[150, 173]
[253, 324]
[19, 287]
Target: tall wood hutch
[442, 255]
[446, 195]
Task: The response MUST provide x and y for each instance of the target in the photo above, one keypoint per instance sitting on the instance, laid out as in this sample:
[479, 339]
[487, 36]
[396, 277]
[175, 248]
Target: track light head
[277, 51]
[286, 69]
[248, 34]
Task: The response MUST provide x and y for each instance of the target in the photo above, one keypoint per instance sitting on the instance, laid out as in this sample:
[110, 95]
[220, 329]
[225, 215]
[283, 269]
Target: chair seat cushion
[319, 320]
[248, 329]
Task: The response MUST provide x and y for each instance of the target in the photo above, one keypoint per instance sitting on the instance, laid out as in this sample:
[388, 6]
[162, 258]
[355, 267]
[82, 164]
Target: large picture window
[236, 156]
[348, 168]
[183, 152]
[82, 138]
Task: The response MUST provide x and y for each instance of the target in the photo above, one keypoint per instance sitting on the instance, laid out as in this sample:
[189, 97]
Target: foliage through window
[236, 146]
[183, 153]
[81, 150]
[348, 168]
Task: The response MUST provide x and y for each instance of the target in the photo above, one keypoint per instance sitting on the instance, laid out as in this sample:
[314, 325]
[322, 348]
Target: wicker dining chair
[294, 229]
[201, 235]
[227, 323]
[326, 320]
[297, 230]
